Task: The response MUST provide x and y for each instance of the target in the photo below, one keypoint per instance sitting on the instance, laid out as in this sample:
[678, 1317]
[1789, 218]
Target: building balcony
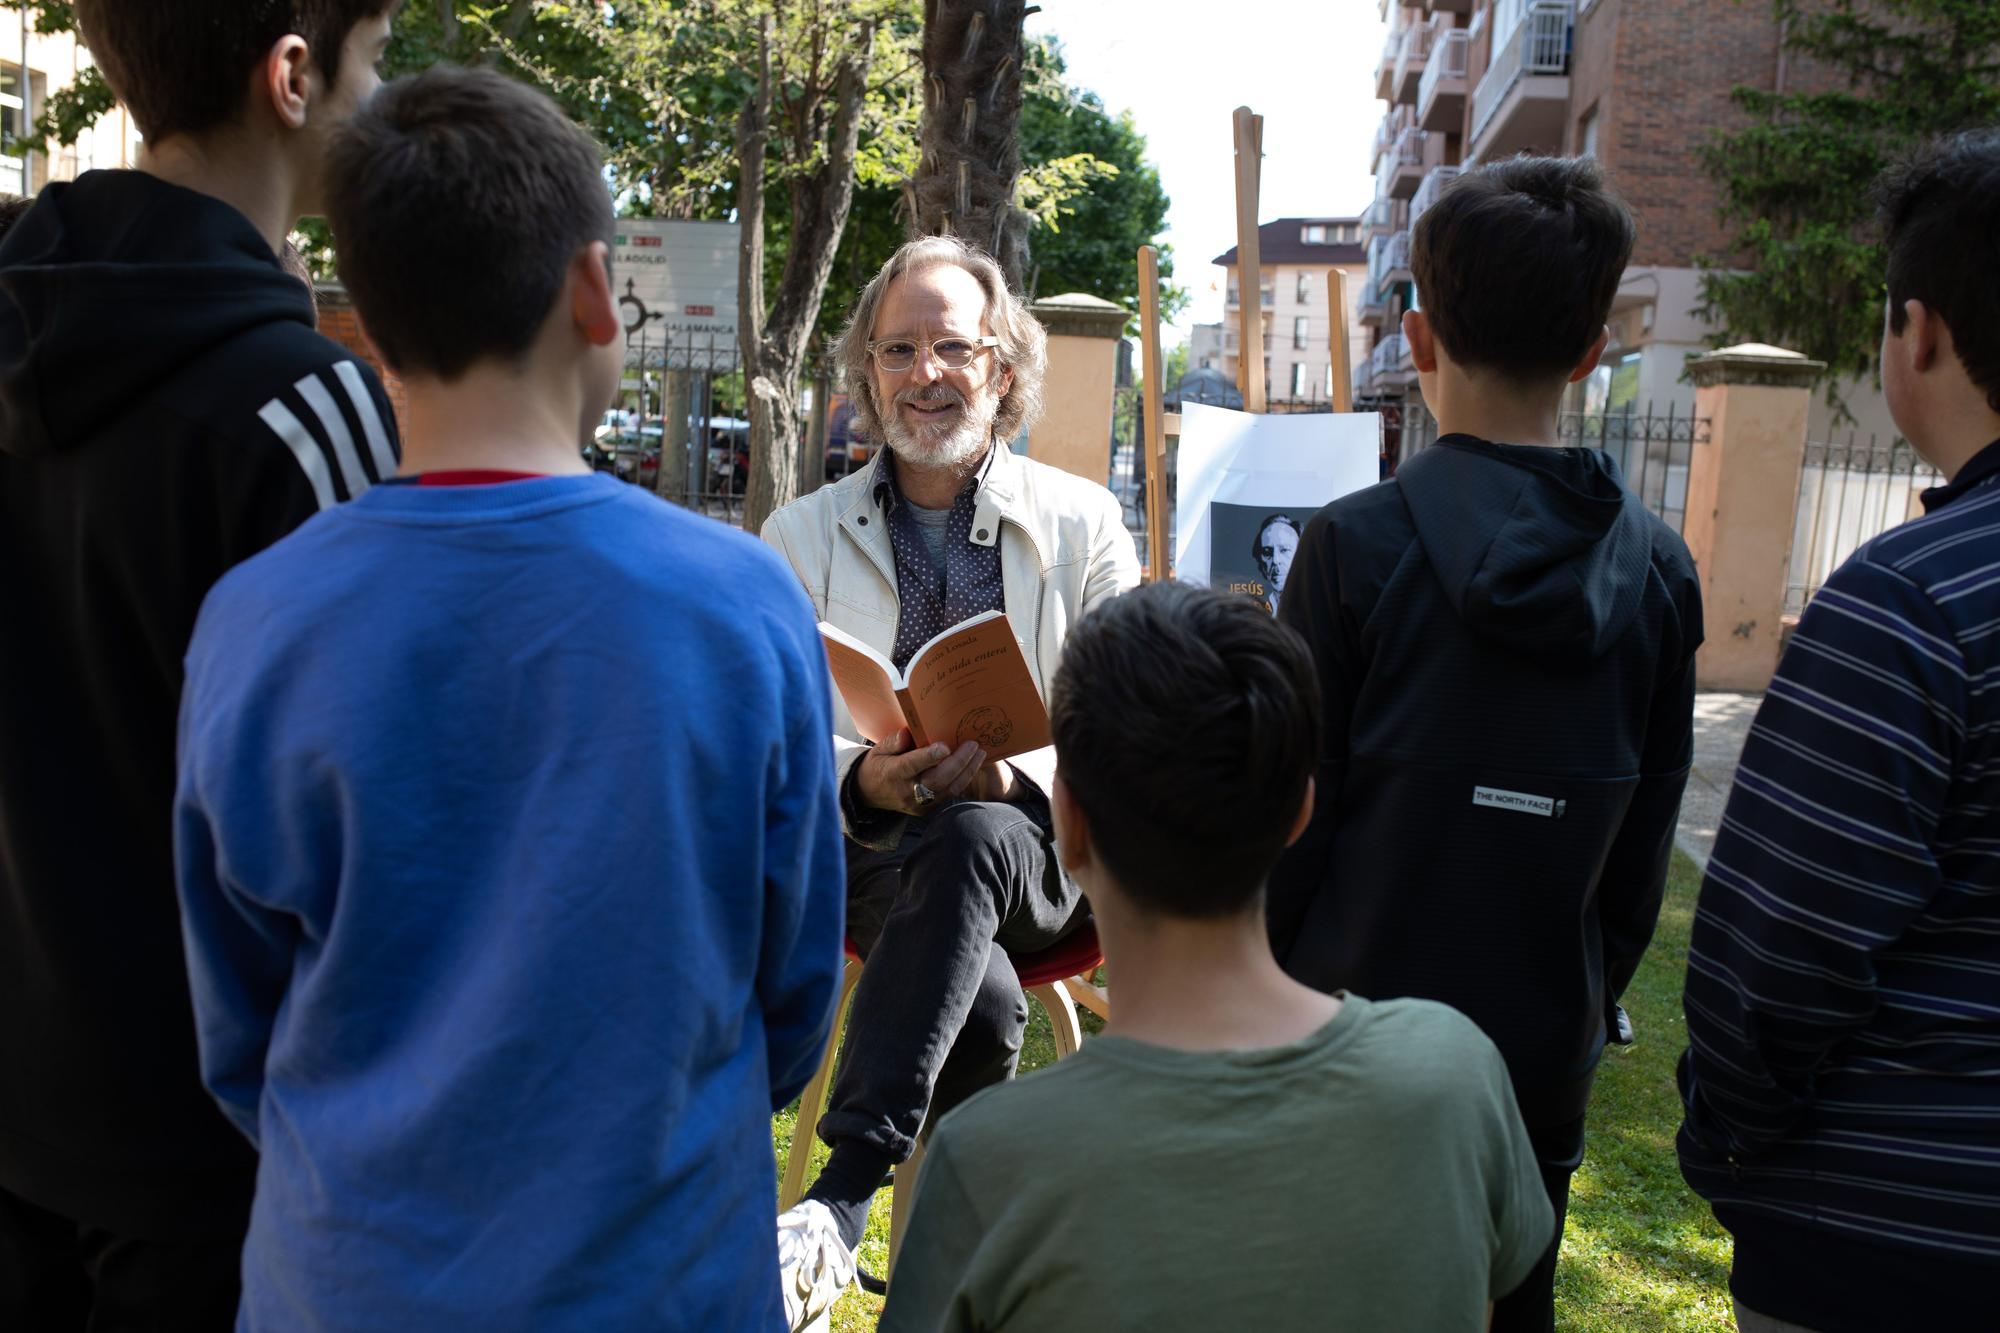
[1390, 363]
[1441, 91]
[1522, 101]
[1384, 217]
[1385, 69]
[1427, 194]
[1409, 68]
[1448, 6]
[1402, 168]
[1373, 310]
[1398, 119]
[1364, 377]
[1388, 262]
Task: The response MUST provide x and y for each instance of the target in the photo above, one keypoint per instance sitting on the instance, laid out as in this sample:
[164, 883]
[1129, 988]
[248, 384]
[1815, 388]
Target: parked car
[846, 449]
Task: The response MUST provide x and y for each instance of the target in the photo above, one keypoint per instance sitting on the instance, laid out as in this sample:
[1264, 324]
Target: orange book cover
[969, 683]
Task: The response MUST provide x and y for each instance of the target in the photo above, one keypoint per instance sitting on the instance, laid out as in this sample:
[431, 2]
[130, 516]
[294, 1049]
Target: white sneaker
[814, 1266]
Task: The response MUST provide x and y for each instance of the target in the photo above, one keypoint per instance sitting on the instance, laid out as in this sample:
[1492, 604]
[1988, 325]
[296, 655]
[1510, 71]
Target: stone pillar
[1075, 430]
[1742, 490]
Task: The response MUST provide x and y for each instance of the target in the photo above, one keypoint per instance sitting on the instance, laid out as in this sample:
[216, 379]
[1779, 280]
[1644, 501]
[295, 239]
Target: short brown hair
[1940, 214]
[180, 68]
[459, 199]
[1187, 724]
[1517, 264]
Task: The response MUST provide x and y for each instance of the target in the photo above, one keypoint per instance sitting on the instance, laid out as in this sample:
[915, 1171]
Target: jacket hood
[1542, 550]
[114, 283]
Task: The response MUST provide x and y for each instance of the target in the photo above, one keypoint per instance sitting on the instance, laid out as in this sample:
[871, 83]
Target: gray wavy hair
[1023, 347]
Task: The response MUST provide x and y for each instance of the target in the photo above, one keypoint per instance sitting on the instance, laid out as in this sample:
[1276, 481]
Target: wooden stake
[1336, 341]
[1154, 407]
[1249, 262]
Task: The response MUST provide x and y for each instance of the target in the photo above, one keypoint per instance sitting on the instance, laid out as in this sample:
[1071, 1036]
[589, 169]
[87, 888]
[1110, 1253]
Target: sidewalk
[1721, 721]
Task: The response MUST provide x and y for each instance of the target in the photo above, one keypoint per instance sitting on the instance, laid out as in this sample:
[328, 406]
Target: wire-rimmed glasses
[896, 355]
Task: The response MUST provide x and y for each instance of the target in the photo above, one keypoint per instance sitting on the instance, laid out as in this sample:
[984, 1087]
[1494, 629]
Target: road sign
[676, 284]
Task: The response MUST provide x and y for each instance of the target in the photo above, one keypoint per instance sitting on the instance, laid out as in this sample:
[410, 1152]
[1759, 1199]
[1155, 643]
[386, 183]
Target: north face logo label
[1546, 806]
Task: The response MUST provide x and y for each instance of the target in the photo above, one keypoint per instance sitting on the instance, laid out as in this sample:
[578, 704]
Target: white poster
[1248, 483]
[676, 288]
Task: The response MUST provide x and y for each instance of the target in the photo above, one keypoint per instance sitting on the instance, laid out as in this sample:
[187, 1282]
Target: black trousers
[1531, 1307]
[60, 1275]
[939, 1013]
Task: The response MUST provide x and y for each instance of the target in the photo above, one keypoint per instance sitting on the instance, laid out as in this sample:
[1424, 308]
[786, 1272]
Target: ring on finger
[922, 795]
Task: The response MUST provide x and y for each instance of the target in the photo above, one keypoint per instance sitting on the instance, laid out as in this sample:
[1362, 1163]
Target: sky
[1306, 66]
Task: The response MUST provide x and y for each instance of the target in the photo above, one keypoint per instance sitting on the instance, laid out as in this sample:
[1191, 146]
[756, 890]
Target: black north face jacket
[1505, 639]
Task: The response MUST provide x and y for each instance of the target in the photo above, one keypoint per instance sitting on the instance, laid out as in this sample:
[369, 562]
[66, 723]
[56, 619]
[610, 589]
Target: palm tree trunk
[970, 132]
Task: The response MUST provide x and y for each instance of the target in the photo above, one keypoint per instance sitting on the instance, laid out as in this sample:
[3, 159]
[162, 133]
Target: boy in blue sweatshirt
[506, 832]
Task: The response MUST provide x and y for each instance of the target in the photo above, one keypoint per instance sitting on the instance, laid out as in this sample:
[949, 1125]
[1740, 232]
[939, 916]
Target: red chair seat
[1076, 955]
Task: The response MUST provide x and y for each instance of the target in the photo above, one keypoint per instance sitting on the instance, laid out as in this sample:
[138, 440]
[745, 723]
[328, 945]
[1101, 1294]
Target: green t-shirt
[1374, 1176]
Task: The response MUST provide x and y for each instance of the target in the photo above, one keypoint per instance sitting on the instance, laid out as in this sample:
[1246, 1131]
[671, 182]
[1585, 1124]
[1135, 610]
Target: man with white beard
[950, 860]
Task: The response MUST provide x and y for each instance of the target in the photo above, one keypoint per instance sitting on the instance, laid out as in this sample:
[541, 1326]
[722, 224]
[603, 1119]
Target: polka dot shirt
[932, 598]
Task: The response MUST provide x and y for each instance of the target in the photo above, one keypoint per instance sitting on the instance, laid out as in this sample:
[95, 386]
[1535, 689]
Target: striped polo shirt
[1843, 989]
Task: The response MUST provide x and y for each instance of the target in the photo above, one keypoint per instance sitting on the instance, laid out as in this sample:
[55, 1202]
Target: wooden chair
[1059, 979]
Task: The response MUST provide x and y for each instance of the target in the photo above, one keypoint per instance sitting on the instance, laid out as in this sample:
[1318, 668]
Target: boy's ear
[1919, 336]
[593, 309]
[1593, 356]
[284, 80]
[1423, 343]
[1072, 829]
[1304, 816]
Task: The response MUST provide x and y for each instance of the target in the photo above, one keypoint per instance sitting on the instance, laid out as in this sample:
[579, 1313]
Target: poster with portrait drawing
[1248, 484]
[1250, 549]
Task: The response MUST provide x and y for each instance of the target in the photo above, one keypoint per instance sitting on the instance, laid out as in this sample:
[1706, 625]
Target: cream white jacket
[1063, 549]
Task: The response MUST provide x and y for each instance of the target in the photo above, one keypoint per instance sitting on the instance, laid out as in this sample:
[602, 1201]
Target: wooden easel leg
[812, 1102]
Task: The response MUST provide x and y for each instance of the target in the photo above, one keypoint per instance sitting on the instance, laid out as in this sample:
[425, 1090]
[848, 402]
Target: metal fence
[1652, 450]
[1849, 491]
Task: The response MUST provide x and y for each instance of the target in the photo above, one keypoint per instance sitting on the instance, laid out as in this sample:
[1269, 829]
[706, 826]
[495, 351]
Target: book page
[866, 683]
[972, 684]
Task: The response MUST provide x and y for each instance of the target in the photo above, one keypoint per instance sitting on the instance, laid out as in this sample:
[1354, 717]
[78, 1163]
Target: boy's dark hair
[180, 68]
[1187, 722]
[459, 199]
[1940, 214]
[1517, 264]
[13, 207]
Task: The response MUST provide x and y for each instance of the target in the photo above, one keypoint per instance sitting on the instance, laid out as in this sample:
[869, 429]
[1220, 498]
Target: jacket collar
[1976, 470]
[998, 497]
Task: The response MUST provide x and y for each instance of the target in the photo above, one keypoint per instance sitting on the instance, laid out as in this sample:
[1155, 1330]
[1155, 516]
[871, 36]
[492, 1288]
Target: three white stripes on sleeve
[319, 472]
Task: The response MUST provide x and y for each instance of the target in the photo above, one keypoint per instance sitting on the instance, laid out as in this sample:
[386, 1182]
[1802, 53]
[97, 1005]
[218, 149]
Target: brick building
[1295, 255]
[1638, 84]
[338, 321]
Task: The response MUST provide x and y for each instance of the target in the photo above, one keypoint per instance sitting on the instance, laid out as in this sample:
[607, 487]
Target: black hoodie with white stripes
[166, 410]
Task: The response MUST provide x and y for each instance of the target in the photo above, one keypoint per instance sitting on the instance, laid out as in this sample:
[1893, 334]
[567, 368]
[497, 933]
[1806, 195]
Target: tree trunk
[672, 479]
[774, 346]
[970, 133]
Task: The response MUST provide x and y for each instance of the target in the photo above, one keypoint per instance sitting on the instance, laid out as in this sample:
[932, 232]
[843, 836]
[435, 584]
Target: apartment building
[33, 66]
[1295, 256]
[1638, 84]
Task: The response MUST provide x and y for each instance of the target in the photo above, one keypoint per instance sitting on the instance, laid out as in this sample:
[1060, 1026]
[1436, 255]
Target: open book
[969, 683]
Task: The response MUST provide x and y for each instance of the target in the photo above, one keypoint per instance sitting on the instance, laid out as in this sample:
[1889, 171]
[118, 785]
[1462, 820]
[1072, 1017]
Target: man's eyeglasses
[899, 354]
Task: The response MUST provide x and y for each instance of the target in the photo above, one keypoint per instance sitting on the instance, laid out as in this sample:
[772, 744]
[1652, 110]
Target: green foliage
[1797, 181]
[1095, 219]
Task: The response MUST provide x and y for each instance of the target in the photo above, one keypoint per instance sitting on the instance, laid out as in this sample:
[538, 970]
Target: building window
[1298, 380]
[1315, 233]
[13, 157]
[1234, 295]
[1344, 233]
[1305, 288]
[1267, 293]
[1299, 332]
[1586, 134]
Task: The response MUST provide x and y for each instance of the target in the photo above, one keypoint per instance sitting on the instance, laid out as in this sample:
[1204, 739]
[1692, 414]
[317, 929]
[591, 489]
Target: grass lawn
[1640, 1253]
